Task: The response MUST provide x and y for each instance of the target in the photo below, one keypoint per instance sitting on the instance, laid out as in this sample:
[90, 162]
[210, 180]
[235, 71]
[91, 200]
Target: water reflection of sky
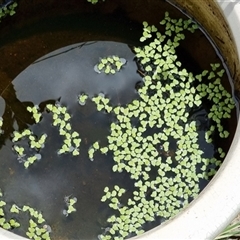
[64, 74]
[68, 71]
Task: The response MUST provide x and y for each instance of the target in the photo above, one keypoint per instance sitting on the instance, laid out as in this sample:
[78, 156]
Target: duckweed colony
[7, 9]
[158, 142]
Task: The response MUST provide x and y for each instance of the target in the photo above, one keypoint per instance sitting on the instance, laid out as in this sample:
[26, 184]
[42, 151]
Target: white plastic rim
[219, 202]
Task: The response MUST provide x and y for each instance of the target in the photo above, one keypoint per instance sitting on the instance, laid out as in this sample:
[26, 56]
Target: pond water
[51, 61]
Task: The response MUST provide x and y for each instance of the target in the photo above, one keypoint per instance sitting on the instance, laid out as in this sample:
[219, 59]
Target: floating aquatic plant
[15, 209]
[35, 112]
[31, 159]
[110, 65]
[3, 222]
[82, 98]
[24, 156]
[95, 147]
[94, 1]
[161, 116]
[102, 103]
[38, 229]
[7, 9]
[70, 201]
[117, 192]
[168, 94]
[61, 119]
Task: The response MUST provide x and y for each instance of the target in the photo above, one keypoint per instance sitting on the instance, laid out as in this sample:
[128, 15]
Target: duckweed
[110, 65]
[70, 201]
[24, 155]
[35, 113]
[93, 1]
[82, 99]
[8, 9]
[141, 135]
[37, 228]
[61, 119]
[165, 100]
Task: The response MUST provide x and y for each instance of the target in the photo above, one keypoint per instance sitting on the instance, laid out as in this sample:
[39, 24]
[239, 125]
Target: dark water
[61, 76]
[52, 60]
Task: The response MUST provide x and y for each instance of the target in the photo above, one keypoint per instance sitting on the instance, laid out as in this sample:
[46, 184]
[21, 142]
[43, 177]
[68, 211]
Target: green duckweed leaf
[14, 209]
[1, 212]
[75, 152]
[2, 203]
[71, 209]
[26, 164]
[96, 145]
[6, 226]
[45, 235]
[72, 201]
[104, 150]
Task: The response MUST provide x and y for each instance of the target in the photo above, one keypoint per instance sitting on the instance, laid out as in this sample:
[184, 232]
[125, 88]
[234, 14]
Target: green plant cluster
[82, 98]
[35, 146]
[70, 202]
[223, 102]
[37, 229]
[102, 103]
[8, 10]
[92, 150]
[113, 196]
[35, 112]
[61, 118]
[156, 133]
[4, 223]
[153, 138]
[94, 1]
[110, 65]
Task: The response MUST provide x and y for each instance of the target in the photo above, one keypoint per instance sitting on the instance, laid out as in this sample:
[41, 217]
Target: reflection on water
[61, 76]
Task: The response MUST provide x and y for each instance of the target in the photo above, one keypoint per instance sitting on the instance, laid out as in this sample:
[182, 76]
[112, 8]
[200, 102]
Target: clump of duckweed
[82, 99]
[32, 154]
[102, 103]
[110, 65]
[4, 223]
[35, 145]
[37, 229]
[143, 130]
[154, 138]
[37, 225]
[35, 112]
[7, 8]
[61, 119]
[70, 201]
[92, 150]
[112, 196]
[94, 1]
